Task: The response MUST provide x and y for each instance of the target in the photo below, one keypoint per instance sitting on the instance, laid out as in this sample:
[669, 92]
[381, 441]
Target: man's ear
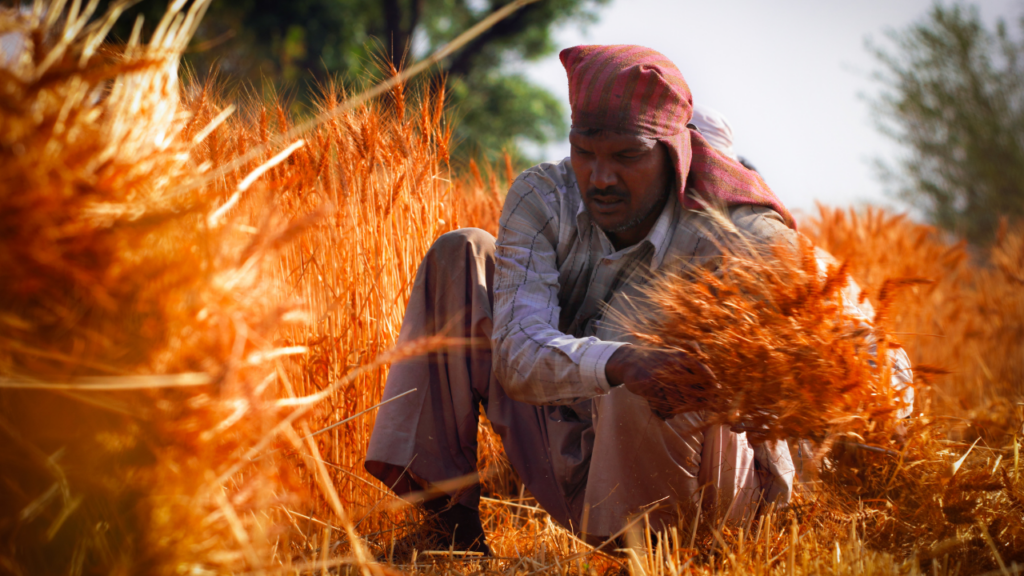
[670, 166]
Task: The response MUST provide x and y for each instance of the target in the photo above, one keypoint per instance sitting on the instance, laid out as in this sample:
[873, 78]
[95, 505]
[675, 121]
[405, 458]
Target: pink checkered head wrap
[636, 90]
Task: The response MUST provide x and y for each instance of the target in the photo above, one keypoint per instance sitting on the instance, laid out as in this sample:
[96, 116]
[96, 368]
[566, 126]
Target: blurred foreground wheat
[139, 372]
[793, 354]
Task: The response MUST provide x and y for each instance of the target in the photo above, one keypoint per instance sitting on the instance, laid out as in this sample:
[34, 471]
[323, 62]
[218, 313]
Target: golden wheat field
[200, 299]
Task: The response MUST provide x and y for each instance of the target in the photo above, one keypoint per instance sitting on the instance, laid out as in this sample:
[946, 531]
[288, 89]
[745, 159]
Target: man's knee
[458, 243]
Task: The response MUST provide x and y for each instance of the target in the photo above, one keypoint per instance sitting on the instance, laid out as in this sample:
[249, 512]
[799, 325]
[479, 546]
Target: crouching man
[561, 384]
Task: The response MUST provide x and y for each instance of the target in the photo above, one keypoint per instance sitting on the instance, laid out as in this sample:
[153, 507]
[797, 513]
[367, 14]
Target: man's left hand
[636, 367]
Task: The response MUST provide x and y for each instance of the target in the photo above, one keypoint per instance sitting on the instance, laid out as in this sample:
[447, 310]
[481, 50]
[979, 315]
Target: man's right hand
[635, 368]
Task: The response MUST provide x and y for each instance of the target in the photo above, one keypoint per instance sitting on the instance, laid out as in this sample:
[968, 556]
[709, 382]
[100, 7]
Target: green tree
[297, 44]
[954, 98]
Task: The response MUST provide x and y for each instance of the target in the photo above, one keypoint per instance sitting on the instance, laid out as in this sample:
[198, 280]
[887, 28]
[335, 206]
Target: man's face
[624, 180]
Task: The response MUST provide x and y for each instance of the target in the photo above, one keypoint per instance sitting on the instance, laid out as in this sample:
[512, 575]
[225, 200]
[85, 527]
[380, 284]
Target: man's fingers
[691, 368]
[661, 415]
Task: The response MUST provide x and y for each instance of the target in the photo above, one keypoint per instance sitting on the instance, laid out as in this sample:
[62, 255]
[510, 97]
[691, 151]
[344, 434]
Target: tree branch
[400, 33]
[462, 63]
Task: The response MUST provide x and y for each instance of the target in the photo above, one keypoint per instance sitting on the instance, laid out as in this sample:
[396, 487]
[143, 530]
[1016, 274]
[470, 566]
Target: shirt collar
[582, 219]
[661, 235]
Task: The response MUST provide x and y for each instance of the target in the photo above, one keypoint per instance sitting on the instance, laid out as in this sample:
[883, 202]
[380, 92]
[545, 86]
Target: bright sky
[790, 75]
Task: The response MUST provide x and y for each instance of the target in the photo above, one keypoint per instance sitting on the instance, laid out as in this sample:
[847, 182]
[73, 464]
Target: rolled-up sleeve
[533, 360]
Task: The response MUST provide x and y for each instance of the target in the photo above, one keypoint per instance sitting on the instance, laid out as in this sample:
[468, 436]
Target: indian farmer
[564, 387]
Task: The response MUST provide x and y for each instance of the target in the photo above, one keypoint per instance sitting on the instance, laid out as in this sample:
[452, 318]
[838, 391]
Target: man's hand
[635, 368]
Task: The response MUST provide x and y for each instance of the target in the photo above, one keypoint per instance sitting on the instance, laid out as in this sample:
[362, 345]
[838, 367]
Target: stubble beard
[655, 206]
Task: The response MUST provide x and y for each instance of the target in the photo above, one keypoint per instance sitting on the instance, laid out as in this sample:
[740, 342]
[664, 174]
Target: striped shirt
[556, 271]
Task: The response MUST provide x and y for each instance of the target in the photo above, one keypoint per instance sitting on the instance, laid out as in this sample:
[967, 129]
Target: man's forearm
[543, 366]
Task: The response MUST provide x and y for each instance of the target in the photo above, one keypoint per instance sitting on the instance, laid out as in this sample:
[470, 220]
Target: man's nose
[603, 176]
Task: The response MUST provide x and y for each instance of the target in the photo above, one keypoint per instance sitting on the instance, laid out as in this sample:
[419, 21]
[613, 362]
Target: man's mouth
[606, 203]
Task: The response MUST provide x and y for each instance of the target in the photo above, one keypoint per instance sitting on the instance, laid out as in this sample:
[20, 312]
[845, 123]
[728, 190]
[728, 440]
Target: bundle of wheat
[792, 356]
